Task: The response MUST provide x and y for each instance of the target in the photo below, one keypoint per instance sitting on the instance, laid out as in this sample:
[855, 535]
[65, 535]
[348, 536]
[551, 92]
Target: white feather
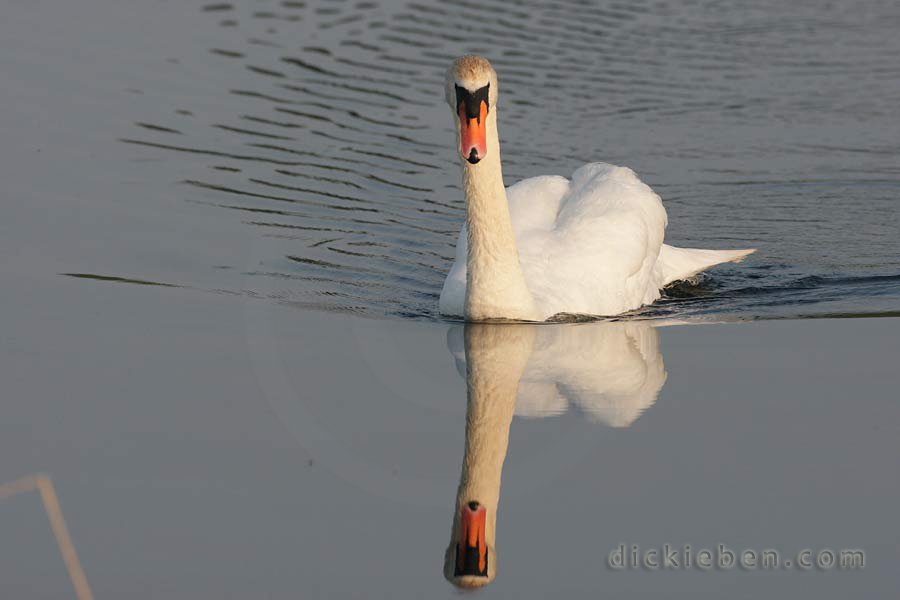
[590, 245]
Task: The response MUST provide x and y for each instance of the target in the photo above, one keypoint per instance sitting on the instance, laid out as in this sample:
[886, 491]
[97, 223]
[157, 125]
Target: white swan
[548, 245]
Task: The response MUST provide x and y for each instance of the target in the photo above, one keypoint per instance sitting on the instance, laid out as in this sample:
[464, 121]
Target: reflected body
[611, 371]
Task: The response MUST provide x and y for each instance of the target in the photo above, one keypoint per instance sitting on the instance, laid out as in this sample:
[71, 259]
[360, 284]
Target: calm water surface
[204, 204]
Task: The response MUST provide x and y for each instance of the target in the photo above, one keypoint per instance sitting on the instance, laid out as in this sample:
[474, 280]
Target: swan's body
[590, 245]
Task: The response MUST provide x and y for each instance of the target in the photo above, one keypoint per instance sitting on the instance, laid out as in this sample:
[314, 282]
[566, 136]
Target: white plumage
[590, 245]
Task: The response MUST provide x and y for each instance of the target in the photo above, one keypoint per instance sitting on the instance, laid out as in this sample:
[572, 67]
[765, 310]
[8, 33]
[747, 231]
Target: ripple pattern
[322, 126]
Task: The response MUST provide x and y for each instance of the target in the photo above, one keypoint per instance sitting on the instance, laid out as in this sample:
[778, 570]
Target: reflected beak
[473, 133]
[471, 549]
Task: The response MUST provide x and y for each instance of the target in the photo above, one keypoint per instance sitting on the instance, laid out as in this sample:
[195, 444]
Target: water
[206, 203]
[322, 130]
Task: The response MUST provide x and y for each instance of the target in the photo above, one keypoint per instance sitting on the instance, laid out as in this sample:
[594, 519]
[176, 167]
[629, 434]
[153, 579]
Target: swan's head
[470, 560]
[472, 94]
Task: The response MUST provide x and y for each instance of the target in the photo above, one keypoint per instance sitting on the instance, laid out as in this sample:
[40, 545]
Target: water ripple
[768, 124]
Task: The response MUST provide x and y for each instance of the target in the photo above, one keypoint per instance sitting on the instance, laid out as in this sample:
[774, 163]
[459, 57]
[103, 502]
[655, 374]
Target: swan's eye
[471, 101]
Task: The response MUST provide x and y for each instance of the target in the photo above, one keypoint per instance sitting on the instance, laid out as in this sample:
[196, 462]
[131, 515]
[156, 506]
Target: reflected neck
[495, 283]
[496, 356]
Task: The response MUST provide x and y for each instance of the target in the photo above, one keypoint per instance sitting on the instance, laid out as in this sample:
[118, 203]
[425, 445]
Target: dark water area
[223, 231]
[320, 129]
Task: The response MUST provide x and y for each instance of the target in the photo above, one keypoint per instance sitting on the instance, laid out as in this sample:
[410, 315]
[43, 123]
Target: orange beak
[472, 138]
[471, 549]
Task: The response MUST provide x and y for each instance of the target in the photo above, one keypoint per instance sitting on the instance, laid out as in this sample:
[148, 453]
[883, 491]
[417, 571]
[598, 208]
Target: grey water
[223, 231]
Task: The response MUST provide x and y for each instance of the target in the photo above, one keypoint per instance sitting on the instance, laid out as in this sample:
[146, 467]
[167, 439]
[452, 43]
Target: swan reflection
[611, 372]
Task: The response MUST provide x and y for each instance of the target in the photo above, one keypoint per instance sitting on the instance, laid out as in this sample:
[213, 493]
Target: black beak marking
[470, 561]
[472, 101]
[473, 157]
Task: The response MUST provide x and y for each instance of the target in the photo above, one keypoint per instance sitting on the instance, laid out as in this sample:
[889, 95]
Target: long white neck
[495, 284]
[496, 356]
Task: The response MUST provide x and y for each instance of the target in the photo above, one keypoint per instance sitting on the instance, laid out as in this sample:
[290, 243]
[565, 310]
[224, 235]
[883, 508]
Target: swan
[612, 371]
[550, 246]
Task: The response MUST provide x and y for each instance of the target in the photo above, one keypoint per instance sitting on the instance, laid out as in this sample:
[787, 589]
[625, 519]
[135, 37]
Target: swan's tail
[684, 263]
